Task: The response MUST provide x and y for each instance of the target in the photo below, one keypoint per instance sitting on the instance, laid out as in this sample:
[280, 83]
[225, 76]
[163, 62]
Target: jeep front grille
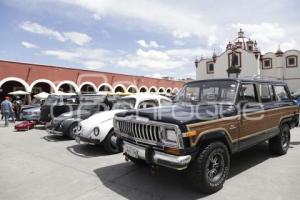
[141, 131]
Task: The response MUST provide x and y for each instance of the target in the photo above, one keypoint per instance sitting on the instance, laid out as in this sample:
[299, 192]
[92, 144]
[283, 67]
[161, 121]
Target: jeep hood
[183, 114]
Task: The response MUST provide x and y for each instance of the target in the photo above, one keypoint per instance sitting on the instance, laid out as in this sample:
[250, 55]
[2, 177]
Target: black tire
[108, 145]
[210, 169]
[280, 144]
[72, 130]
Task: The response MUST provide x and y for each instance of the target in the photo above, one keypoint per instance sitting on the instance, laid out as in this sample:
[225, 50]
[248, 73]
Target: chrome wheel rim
[285, 139]
[215, 166]
[74, 130]
[111, 142]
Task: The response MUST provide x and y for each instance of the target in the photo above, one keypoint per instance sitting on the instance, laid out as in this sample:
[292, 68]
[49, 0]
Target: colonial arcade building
[35, 78]
[243, 58]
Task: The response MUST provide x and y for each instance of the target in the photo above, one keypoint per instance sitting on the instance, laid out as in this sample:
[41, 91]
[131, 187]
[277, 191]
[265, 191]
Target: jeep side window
[264, 93]
[280, 93]
[148, 104]
[247, 93]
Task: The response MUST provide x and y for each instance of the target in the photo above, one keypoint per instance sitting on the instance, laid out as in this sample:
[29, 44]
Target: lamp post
[258, 57]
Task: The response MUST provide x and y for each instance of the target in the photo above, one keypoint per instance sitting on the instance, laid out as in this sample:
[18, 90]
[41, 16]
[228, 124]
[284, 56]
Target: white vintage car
[99, 127]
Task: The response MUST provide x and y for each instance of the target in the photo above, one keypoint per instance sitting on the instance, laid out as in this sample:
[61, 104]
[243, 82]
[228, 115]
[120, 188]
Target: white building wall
[276, 69]
[201, 72]
[249, 65]
[279, 70]
[291, 75]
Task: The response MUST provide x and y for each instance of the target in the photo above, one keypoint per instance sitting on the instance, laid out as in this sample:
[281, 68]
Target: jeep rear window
[208, 92]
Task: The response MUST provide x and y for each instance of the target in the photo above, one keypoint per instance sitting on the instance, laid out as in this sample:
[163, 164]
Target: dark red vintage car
[25, 125]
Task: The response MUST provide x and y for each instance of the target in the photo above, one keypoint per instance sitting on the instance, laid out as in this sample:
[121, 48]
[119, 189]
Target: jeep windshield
[124, 103]
[208, 92]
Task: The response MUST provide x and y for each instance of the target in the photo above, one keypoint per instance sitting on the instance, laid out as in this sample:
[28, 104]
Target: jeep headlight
[171, 135]
[96, 131]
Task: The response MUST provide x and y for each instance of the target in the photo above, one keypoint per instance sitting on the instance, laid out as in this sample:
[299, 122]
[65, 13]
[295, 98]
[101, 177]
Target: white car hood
[90, 123]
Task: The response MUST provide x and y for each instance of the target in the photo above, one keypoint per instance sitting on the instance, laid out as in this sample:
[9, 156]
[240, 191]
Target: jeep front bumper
[156, 157]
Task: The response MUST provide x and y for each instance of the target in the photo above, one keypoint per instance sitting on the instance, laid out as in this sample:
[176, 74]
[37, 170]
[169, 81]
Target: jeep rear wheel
[210, 169]
[281, 143]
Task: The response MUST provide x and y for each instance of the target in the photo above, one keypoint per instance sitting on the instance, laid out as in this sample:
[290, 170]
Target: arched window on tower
[234, 59]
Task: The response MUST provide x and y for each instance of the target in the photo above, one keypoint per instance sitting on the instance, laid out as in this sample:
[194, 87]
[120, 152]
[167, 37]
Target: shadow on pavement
[86, 150]
[137, 183]
[55, 138]
[40, 127]
[249, 158]
[295, 143]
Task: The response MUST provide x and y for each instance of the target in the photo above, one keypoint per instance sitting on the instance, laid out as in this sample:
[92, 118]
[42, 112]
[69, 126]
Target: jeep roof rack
[259, 77]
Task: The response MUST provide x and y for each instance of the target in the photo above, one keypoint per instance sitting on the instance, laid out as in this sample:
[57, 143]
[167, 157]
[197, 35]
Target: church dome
[242, 42]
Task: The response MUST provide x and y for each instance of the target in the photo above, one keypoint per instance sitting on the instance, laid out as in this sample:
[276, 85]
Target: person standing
[6, 109]
[2, 115]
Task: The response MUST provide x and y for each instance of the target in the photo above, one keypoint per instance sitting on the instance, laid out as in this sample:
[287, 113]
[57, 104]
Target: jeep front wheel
[281, 143]
[108, 143]
[210, 169]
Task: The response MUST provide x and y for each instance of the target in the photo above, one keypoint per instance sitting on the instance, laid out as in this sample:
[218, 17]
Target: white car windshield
[125, 103]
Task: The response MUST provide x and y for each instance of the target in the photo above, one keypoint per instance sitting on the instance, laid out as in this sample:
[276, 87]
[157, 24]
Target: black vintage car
[211, 120]
[57, 104]
[66, 123]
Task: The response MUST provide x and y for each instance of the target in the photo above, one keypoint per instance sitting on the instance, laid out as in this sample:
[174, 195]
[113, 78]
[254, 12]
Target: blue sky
[139, 37]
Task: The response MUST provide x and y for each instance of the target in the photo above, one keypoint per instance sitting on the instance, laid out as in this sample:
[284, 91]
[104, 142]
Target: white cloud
[78, 38]
[74, 37]
[39, 29]
[89, 58]
[28, 45]
[178, 43]
[154, 60]
[97, 17]
[181, 34]
[93, 64]
[177, 19]
[142, 43]
[148, 60]
[62, 55]
[155, 75]
[151, 44]
[269, 36]
[198, 20]
[212, 39]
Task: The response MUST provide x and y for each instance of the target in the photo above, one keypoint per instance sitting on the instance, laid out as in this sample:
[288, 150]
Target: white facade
[280, 65]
